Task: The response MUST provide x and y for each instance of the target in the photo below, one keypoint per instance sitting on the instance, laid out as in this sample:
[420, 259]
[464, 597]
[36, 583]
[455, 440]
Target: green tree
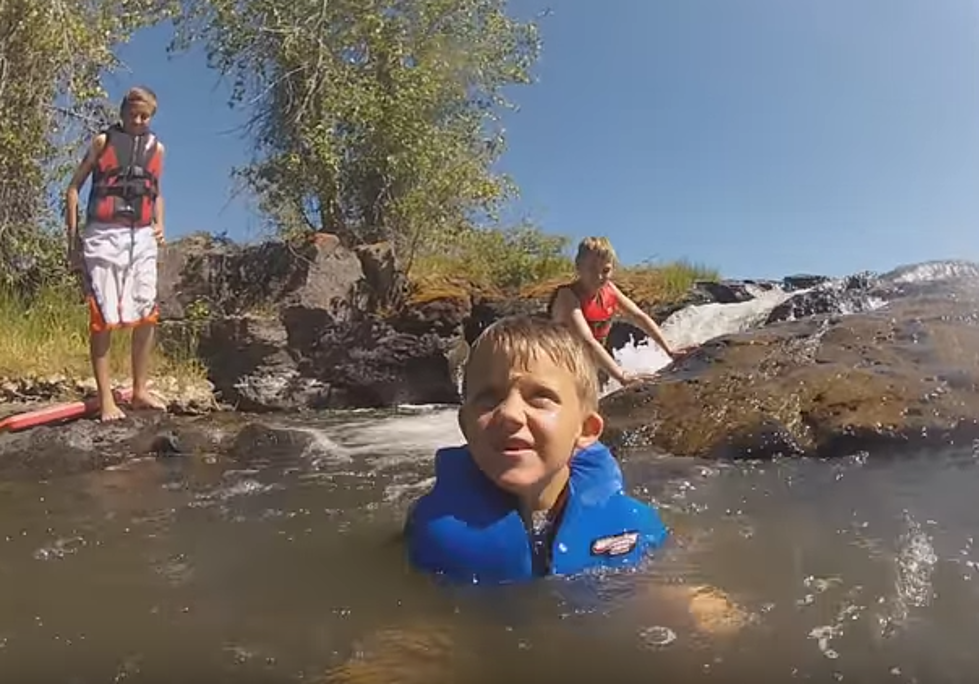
[371, 119]
[53, 56]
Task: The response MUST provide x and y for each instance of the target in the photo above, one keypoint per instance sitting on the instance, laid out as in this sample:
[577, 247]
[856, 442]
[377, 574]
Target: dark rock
[385, 283]
[203, 277]
[842, 297]
[803, 281]
[281, 327]
[370, 364]
[486, 311]
[250, 363]
[732, 291]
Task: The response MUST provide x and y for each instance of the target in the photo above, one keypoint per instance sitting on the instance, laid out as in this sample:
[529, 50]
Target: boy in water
[532, 469]
[589, 304]
[117, 252]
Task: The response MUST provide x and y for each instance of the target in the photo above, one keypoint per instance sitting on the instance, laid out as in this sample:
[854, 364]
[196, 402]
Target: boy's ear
[591, 429]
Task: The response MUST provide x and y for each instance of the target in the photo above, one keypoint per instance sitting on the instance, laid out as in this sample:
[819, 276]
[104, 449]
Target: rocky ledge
[837, 366]
[859, 364]
[282, 327]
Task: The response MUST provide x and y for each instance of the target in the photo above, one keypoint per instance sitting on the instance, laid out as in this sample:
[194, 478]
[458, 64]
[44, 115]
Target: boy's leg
[92, 244]
[142, 348]
[142, 298]
[99, 343]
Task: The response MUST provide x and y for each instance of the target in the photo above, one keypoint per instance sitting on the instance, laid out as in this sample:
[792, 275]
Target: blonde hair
[138, 95]
[523, 339]
[600, 247]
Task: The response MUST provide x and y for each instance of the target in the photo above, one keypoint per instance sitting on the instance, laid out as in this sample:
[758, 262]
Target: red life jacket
[126, 179]
[599, 311]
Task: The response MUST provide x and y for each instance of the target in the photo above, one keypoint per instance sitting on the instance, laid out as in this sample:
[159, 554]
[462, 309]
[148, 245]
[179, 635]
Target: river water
[286, 567]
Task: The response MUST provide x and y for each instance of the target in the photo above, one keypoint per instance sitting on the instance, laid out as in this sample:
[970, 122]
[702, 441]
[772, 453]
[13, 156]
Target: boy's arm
[567, 310]
[77, 181]
[642, 320]
[159, 214]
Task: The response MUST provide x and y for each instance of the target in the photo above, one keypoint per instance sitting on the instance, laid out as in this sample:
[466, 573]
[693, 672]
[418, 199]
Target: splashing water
[695, 325]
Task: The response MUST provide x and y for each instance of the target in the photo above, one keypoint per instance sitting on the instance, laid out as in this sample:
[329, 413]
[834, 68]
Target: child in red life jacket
[117, 251]
[589, 304]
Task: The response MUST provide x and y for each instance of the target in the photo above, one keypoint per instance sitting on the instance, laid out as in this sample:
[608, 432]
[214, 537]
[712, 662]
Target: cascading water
[694, 325]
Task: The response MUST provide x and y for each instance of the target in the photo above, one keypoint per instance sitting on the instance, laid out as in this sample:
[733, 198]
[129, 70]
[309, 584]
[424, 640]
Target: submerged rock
[904, 374]
[86, 445]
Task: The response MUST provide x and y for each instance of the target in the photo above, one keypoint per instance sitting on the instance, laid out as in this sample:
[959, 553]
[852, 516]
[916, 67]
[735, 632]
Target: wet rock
[371, 364]
[733, 291]
[832, 297]
[249, 362]
[258, 442]
[803, 281]
[85, 445]
[904, 374]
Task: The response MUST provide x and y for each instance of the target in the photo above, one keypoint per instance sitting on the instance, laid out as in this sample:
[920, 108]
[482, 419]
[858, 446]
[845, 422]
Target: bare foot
[147, 400]
[110, 412]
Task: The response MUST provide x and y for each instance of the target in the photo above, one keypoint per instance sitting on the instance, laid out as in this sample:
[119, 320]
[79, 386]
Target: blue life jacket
[469, 530]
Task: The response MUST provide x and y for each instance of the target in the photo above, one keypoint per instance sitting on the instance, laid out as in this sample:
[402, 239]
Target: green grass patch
[527, 262]
[48, 335]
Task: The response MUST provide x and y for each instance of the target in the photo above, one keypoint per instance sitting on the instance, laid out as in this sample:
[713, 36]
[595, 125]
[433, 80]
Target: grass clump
[46, 334]
[527, 262]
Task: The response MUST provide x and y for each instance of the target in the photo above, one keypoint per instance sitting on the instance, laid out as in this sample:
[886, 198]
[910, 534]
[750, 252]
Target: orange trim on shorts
[96, 322]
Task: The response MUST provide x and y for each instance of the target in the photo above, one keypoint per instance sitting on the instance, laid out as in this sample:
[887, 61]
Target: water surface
[286, 567]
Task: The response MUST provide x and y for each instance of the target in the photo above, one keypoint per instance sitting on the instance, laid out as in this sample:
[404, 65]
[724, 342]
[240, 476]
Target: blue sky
[764, 137]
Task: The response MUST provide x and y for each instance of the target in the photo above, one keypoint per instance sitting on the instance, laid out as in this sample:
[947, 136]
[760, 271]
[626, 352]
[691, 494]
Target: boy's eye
[545, 397]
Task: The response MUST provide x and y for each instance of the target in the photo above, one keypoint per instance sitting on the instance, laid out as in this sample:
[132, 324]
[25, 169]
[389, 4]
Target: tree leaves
[372, 120]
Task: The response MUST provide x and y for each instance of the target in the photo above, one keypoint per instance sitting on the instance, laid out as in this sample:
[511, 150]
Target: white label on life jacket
[615, 546]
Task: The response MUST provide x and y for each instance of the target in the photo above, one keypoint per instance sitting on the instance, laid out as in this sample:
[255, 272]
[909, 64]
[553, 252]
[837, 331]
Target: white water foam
[930, 271]
[695, 325]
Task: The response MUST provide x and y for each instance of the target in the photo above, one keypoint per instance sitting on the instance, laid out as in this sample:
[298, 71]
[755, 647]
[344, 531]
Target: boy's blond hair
[138, 95]
[600, 247]
[523, 339]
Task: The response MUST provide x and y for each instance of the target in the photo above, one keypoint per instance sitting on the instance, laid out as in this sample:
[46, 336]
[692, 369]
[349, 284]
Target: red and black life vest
[126, 179]
[598, 310]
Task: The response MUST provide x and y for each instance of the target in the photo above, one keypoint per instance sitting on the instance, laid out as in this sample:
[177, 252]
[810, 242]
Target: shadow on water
[285, 566]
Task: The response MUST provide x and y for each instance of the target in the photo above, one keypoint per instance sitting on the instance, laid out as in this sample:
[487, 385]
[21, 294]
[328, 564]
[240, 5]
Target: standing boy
[117, 251]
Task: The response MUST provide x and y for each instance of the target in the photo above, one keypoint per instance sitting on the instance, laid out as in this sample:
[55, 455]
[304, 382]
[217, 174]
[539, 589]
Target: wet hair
[138, 95]
[523, 339]
[598, 246]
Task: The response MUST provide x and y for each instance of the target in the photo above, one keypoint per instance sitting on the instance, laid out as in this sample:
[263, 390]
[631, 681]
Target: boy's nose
[511, 410]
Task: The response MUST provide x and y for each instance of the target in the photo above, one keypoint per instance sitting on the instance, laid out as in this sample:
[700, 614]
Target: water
[285, 567]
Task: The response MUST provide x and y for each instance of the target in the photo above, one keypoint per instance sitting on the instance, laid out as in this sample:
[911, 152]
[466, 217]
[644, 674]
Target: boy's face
[523, 425]
[594, 271]
[136, 117]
